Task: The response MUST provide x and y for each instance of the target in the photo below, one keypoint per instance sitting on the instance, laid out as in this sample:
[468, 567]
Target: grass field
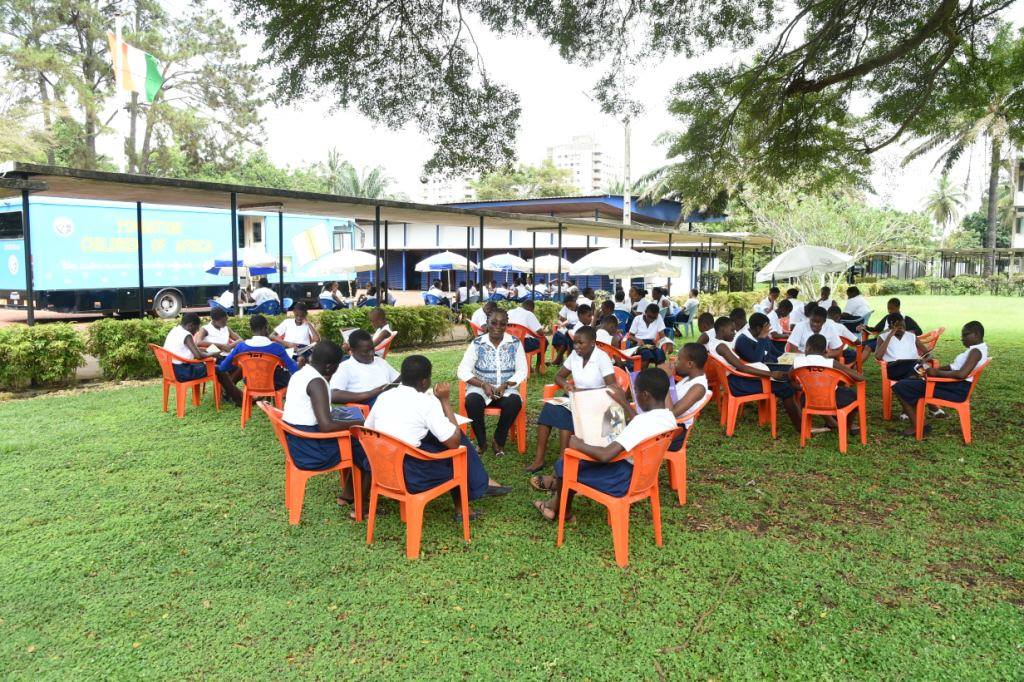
[137, 544]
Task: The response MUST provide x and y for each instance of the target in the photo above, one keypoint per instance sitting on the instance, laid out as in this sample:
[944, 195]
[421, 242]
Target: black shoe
[497, 490]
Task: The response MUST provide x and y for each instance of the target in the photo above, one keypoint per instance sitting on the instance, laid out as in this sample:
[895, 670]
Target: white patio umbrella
[803, 260]
[506, 262]
[446, 260]
[343, 262]
[250, 260]
[619, 262]
[548, 265]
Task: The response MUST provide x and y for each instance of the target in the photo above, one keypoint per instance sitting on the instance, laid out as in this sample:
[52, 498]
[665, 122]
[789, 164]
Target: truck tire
[167, 304]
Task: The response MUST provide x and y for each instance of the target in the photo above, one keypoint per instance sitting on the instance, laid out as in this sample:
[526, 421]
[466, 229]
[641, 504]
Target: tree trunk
[993, 208]
[44, 99]
[131, 158]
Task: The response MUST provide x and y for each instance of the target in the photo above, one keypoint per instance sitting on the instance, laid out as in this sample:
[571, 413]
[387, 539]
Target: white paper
[462, 421]
[597, 419]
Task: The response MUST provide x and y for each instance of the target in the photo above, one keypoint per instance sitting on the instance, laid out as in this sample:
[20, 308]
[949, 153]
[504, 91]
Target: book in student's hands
[597, 419]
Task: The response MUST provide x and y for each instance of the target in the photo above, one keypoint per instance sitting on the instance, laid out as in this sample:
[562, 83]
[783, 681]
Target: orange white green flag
[134, 70]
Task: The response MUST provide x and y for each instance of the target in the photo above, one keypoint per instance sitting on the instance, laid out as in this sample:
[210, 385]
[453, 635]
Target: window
[257, 232]
[10, 225]
[241, 232]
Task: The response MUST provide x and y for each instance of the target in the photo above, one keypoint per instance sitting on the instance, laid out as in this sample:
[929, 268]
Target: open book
[597, 419]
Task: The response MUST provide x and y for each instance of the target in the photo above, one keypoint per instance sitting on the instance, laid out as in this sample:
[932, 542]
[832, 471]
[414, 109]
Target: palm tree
[343, 179]
[945, 203]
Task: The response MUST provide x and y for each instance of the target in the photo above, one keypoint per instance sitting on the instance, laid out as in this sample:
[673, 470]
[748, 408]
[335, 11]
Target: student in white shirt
[501, 290]
[567, 320]
[461, 293]
[706, 327]
[796, 315]
[381, 329]
[608, 331]
[216, 337]
[423, 418]
[524, 316]
[690, 309]
[639, 300]
[493, 367]
[479, 317]
[767, 304]
[264, 293]
[586, 298]
[521, 291]
[330, 297]
[899, 349]
[825, 299]
[621, 303]
[589, 367]
[181, 342]
[912, 389]
[775, 318]
[691, 390]
[227, 299]
[845, 395]
[363, 376]
[856, 308]
[614, 478]
[296, 332]
[648, 330]
[436, 291]
[815, 324]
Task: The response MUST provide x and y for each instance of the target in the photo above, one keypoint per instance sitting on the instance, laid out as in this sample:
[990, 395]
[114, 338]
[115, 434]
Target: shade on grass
[135, 543]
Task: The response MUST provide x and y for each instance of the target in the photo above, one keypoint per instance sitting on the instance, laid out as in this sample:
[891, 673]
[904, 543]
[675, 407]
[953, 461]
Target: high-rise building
[592, 166]
[440, 190]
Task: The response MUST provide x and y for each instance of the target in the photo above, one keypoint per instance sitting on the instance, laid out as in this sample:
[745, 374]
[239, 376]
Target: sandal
[534, 470]
[343, 502]
[545, 510]
[538, 483]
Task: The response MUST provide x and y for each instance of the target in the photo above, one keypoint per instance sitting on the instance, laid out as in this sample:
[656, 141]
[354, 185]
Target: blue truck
[85, 254]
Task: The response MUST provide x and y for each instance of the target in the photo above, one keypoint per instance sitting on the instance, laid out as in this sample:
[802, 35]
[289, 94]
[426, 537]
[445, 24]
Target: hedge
[41, 355]
[414, 325]
[961, 285]
[546, 311]
[122, 346]
[722, 302]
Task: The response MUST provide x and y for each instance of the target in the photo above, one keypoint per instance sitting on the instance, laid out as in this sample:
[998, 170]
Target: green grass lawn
[138, 544]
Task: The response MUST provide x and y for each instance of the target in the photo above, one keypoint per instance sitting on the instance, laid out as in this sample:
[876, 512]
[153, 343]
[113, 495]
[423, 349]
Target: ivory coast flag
[134, 70]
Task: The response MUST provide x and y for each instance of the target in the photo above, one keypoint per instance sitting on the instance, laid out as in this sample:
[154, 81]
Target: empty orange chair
[766, 411]
[677, 459]
[386, 455]
[295, 478]
[963, 409]
[647, 459]
[618, 356]
[165, 357]
[518, 431]
[382, 348]
[819, 388]
[522, 333]
[258, 376]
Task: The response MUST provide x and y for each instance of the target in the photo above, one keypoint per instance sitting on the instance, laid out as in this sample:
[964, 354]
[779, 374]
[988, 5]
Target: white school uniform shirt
[358, 377]
[900, 349]
[583, 300]
[462, 293]
[856, 307]
[501, 290]
[715, 344]
[220, 336]
[479, 317]
[522, 291]
[434, 291]
[775, 323]
[604, 337]
[962, 358]
[766, 306]
[667, 302]
[624, 306]
[408, 415]
[524, 318]
[294, 333]
[590, 375]
[517, 373]
[826, 304]
[796, 315]
[373, 334]
[813, 361]
[264, 294]
[647, 332]
[175, 343]
[570, 316]
[227, 299]
[298, 408]
[800, 333]
[641, 305]
[645, 425]
[712, 338]
[834, 329]
[684, 386]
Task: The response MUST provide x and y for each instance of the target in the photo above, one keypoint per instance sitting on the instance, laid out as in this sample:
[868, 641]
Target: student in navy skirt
[816, 347]
[423, 418]
[363, 376]
[180, 341]
[893, 305]
[899, 349]
[691, 389]
[648, 330]
[911, 390]
[613, 478]
[754, 344]
[567, 319]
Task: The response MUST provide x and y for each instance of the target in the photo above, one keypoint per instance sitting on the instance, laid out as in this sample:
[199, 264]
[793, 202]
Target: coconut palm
[945, 203]
[343, 179]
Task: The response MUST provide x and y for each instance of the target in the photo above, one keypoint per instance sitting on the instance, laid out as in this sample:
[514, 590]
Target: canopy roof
[76, 183]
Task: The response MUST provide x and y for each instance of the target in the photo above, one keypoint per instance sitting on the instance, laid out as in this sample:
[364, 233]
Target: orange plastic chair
[887, 384]
[930, 339]
[677, 460]
[258, 374]
[963, 409]
[385, 345]
[716, 377]
[621, 378]
[295, 478]
[784, 323]
[518, 430]
[647, 459]
[386, 455]
[618, 356]
[766, 411]
[819, 388]
[365, 409]
[522, 333]
[164, 358]
[477, 331]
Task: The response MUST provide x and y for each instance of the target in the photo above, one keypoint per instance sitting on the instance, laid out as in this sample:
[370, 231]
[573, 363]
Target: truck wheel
[167, 304]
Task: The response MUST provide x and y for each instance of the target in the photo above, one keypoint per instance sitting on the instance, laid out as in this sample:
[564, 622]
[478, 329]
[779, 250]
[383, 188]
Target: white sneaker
[904, 417]
[938, 413]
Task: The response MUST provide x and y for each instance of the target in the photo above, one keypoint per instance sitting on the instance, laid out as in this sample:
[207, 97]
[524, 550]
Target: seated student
[330, 296]
[586, 298]
[825, 299]
[479, 317]
[568, 319]
[521, 291]
[381, 329]
[855, 309]
[739, 319]
[461, 293]
[413, 413]
[706, 327]
[690, 309]
[180, 341]
[911, 389]
[692, 389]
[815, 357]
[613, 478]
[834, 328]
[754, 343]
[501, 290]
[368, 299]
[217, 337]
[723, 350]
[489, 289]
[776, 319]
[608, 331]
[436, 290]
[768, 303]
[589, 367]
[363, 376]
[796, 316]
[307, 407]
[648, 330]
[892, 306]
[899, 349]
[523, 316]
[296, 332]
[585, 315]
[493, 366]
[815, 324]
[640, 300]
[263, 293]
[620, 301]
[229, 374]
[227, 299]
[606, 308]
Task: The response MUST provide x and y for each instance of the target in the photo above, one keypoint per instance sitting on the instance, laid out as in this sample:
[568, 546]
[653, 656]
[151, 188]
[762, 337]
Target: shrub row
[546, 311]
[43, 355]
[961, 285]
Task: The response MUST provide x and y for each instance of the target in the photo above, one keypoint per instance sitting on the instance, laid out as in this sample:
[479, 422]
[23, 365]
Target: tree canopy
[525, 182]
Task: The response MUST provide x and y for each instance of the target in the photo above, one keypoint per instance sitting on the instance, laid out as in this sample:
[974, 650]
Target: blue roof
[664, 211]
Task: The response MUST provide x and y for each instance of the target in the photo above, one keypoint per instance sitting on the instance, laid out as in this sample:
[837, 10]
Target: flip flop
[342, 502]
[534, 470]
[544, 510]
[474, 514]
[537, 483]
